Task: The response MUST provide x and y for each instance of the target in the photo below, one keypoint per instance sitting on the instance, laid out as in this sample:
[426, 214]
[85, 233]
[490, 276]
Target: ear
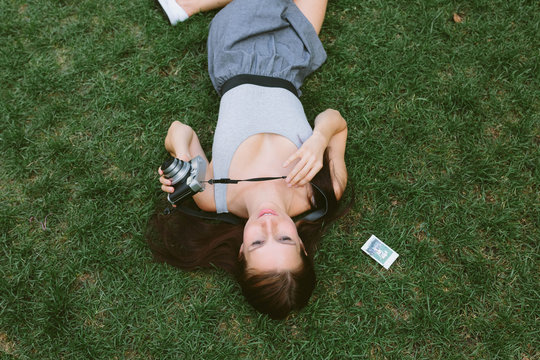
[241, 252]
[302, 247]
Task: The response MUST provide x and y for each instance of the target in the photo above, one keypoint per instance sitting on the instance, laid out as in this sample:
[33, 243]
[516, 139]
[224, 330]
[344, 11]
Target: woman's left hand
[310, 160]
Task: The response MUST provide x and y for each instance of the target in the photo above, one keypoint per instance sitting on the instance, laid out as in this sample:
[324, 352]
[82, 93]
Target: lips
[267, 212]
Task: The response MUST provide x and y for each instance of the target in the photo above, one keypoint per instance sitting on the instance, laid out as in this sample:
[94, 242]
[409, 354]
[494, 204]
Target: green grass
[443, 153]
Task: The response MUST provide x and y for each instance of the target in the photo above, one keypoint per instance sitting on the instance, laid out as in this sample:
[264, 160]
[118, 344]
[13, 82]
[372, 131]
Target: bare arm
[330, 123]
[193, 7]
[182, 142]
[314, 11]
[336, 155]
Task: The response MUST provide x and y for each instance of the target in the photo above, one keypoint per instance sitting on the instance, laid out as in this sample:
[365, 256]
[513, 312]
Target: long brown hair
[189, 242]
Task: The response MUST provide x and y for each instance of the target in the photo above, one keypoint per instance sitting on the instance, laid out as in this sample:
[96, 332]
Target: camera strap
[224, 217]
[310, 215]
[235, 181]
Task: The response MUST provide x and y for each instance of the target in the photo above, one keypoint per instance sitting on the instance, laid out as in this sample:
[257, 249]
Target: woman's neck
[268, 195]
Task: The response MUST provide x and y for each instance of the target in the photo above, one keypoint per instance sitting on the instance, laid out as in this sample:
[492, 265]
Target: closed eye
[286, 240]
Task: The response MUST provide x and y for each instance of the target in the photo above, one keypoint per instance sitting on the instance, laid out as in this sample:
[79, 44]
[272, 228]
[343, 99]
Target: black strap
[266, 81]
[235, 181]
[311, 215]
[225, 217]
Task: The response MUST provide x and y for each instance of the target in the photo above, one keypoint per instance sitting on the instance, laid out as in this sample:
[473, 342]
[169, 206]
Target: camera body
[187, 177]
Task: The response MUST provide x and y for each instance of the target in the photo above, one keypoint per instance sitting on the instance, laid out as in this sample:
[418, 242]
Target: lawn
[442, 100]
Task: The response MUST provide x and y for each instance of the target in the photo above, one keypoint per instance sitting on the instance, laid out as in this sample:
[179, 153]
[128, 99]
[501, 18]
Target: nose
[269, 223]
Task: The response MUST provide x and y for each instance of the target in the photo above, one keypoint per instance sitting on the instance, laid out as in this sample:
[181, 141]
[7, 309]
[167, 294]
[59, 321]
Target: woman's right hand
[166, 185]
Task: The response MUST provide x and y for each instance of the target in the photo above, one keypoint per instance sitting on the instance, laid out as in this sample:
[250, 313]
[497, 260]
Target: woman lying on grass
[259, 53]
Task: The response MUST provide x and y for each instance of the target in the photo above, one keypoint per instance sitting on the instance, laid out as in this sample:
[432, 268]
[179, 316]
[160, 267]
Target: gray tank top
[248, 110]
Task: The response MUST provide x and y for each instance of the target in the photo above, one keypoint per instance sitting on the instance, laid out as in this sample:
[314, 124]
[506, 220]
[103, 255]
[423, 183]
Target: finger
[294, 172]
[160, 172]
[291, 158]
[309, 176]
[300, 175]
[165, 181]
[306, 160]
[309, 171]
[167, 189]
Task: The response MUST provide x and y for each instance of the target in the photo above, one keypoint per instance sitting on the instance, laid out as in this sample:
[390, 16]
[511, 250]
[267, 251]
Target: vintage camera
[187, 177]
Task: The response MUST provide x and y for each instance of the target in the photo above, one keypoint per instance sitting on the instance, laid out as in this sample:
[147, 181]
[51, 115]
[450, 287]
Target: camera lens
[175, 169]
[166, 164]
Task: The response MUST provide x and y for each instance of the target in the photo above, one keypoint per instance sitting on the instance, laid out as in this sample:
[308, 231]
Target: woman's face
[271, 242]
